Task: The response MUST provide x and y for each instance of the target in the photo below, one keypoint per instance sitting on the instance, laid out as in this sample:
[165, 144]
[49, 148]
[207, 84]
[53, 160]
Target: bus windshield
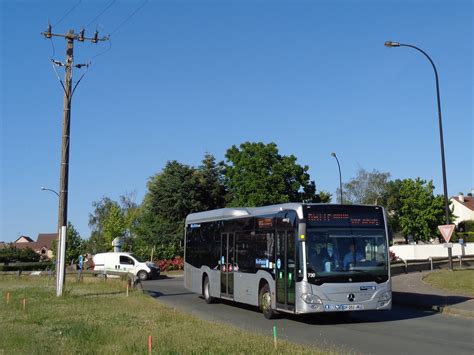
[346, 255]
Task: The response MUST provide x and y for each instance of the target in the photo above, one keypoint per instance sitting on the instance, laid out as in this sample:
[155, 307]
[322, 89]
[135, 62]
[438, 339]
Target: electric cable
[101, 13]
[67, 13]
[129, 17]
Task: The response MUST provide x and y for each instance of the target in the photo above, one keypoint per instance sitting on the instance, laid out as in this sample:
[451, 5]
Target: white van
[124, 262]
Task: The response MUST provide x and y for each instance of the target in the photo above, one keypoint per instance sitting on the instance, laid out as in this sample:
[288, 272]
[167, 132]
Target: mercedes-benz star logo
[351, 297]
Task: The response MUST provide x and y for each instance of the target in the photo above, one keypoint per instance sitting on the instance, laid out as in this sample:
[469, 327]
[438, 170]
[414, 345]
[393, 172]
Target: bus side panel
[214, 280]
[246, 288]
[193, 278]
[188, 277]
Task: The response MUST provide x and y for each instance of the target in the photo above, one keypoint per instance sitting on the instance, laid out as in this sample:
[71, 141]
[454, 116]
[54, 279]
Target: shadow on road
[156, 294]
[426, 301]
[396, 314]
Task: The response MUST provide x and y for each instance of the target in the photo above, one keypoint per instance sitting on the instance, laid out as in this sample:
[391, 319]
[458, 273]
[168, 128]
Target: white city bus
[293, 257]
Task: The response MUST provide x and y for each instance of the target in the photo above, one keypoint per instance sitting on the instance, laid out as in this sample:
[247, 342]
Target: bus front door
[285, 270]
[227, 265]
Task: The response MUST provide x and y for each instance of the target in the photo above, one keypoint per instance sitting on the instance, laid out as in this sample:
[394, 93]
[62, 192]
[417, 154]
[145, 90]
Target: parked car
[117, 263]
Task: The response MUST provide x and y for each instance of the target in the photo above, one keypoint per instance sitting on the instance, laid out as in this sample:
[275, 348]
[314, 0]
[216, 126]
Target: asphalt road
[400, 331]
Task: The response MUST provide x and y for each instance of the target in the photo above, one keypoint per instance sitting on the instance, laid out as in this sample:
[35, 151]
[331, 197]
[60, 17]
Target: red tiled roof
[468, 202]
[46, 240]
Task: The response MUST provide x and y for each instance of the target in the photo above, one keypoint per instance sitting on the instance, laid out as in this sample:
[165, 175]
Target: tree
[74, 245]
[173, 194]
[111, 220]
[100, 239]
[256, 175]
[366, 188]
[391, 201]
[419, 210]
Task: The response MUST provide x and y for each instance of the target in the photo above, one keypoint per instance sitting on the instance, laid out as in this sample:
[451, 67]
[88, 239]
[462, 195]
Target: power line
[67, 13]
[129, 17]
[101, 13]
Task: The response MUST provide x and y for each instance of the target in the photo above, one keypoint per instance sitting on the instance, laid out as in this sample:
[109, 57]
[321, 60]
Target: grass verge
[96, 316]
[459, 281]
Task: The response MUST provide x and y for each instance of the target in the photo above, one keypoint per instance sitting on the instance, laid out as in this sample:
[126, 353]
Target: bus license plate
[343, 307]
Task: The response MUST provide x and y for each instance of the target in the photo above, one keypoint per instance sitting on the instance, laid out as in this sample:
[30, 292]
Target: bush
[177, 263]
[11, 254]
[466, 226]
[468, 237]
[27, 267]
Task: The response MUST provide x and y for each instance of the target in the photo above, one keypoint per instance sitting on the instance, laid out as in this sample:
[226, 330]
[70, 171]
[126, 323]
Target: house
[463, 208]
[42, 246]
[23, 239]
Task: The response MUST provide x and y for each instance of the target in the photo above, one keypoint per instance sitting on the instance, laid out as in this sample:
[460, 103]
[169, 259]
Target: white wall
[425, 251]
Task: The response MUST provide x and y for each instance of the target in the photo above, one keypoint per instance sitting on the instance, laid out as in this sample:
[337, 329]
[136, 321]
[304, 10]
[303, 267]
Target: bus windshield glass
[346, 255]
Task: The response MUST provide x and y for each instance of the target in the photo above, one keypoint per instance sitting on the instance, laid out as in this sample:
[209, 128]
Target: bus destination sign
[347, 218]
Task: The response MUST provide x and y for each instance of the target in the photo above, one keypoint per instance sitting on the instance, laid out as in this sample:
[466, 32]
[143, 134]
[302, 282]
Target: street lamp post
[391, 44]
[46, 189]
[340, 176]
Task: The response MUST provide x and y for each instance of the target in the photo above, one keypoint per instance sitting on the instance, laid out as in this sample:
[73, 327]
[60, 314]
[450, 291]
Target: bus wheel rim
[266, 301]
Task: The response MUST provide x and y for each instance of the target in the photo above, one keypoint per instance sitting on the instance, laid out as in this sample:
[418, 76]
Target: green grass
[96, 317]
[460, 281]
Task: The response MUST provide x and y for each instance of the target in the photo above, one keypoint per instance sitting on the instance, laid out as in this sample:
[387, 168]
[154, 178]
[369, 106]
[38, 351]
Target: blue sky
[182, 78]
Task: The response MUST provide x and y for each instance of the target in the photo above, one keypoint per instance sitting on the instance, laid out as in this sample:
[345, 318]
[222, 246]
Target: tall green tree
[256, 174]
[74, 245]
[366, 188]
[420, 211]
[173, 194]
[111, 219]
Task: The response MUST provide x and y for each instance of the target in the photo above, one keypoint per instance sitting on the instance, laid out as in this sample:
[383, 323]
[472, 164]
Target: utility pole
[64, 170]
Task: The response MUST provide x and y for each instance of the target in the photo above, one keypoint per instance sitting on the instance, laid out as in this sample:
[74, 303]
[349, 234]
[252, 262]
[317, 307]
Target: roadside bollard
[431, 263]
[8, 297]
[275, 336]
[460, 261]
[150, 344]
[24, 303]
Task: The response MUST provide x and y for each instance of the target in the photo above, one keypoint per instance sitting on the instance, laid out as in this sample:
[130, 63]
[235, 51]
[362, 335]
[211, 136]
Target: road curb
[439, 309]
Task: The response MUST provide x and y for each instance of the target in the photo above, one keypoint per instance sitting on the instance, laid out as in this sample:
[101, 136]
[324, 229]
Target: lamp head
[392, 44]
[333, 155]
[43, 188]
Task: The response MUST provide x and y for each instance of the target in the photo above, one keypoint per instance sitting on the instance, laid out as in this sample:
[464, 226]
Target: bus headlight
[384, 299]
[311, 299]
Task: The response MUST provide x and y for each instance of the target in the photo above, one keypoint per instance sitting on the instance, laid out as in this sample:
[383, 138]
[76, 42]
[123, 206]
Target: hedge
[27, 266]
[468, 237]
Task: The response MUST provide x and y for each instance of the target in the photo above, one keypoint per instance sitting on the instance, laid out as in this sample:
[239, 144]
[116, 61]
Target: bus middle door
[227, 265]
[285, 270]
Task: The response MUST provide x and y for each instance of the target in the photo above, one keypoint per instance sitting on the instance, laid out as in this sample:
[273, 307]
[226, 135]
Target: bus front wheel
[206, 291]
[265, 302]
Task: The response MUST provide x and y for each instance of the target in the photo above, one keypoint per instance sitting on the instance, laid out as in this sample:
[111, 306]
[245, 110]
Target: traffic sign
[446, 231]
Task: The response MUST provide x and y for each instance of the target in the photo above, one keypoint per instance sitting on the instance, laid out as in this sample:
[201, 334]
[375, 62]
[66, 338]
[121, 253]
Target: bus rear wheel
[265, 302]
[206, 291]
